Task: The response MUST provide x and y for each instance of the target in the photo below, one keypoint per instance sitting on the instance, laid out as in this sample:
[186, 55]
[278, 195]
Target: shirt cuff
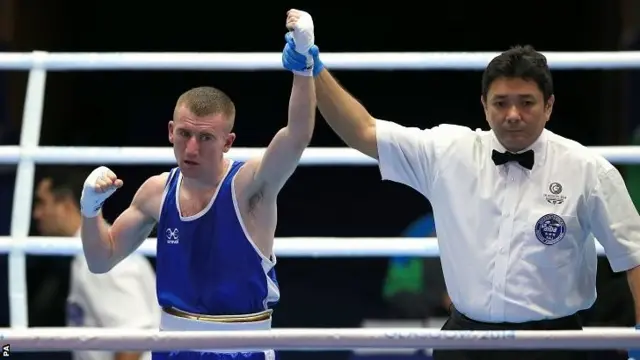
[625, 262]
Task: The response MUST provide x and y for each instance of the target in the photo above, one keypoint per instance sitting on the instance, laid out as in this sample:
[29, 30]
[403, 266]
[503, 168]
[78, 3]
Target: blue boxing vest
[206, 263]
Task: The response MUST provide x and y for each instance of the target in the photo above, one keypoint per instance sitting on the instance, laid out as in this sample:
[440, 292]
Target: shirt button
[512, 179]
[501, 250]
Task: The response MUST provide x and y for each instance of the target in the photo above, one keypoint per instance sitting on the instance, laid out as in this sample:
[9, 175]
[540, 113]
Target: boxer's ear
[231, 137]
[171, 127]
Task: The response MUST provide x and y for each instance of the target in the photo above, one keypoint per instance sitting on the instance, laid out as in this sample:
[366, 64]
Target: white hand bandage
[303, 33]
[92, 196]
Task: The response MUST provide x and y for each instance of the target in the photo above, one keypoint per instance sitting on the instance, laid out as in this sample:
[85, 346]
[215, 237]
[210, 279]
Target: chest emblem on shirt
[550, 229]
[555, 198]
[173, 235]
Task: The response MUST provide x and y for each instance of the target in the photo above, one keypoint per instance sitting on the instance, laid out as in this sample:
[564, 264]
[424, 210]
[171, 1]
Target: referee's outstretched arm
[345, 115]
[405, 155]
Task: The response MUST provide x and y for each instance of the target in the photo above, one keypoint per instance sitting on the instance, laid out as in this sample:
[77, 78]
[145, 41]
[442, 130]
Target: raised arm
[283, 154]
[345, 115]
[105, 246]
[405, 155]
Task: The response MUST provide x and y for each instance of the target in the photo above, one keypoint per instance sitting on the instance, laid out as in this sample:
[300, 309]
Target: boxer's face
[516, 111]
[199, 142]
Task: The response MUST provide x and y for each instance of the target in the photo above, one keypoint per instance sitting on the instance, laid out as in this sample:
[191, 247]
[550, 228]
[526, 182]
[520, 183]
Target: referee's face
[516, 111]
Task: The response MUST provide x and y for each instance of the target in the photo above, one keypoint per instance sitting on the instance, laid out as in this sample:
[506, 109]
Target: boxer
[215, 217]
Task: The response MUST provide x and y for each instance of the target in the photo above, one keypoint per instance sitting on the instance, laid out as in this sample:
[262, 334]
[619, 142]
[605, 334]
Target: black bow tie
[525, 159]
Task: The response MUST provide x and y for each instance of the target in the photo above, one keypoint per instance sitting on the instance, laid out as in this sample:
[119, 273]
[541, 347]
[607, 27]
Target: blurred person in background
[414, 287]
[122, 298]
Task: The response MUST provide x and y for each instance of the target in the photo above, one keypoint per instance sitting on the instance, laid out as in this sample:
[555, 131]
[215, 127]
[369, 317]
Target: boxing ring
[29, 153]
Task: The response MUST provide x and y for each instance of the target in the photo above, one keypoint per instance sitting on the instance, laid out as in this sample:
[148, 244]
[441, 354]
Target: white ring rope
[273, 61]
[312, 247]
[314, 156]
[314, 339]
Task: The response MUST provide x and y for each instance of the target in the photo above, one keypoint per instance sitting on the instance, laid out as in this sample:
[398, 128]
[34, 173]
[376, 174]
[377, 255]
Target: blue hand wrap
[296, 62]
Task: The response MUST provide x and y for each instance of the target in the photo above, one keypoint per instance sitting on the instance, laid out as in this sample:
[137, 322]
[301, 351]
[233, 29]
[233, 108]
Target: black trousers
[458, 321]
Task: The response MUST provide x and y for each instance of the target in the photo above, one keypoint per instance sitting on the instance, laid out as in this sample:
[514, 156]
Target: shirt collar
[539, 146]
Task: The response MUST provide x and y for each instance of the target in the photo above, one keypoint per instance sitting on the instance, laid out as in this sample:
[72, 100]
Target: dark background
[110, 108]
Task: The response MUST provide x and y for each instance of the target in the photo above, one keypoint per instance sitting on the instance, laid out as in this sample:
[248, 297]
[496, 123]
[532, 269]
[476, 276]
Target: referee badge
[550, 229]
[556, 197]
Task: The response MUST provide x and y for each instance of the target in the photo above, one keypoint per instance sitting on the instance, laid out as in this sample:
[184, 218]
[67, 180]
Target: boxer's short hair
[206, 100]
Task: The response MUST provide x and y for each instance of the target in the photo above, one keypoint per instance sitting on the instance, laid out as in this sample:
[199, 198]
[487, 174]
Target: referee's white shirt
[515, 244]
[124, 298]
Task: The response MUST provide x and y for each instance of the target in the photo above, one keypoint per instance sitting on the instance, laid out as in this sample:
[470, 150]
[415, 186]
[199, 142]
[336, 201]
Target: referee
[516, 207]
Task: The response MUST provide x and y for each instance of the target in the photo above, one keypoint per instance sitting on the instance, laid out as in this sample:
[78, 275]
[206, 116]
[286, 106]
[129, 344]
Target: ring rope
[313, 339]
[308, 247]
[273, 60]
[312, 156]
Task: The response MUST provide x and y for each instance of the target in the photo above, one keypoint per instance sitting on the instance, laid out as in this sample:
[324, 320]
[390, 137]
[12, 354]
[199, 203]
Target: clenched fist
[98, 186]
[300, 24]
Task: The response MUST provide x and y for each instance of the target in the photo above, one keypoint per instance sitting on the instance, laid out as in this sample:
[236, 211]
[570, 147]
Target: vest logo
[173, 236]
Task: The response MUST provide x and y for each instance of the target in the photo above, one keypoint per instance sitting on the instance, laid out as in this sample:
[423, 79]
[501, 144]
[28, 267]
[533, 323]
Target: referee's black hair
[519, 62]
[66, 182]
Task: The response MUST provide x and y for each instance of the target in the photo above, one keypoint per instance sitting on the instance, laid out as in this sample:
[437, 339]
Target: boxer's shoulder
[148, 198]
[154, 185]
[246, 189]
[246, 173]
